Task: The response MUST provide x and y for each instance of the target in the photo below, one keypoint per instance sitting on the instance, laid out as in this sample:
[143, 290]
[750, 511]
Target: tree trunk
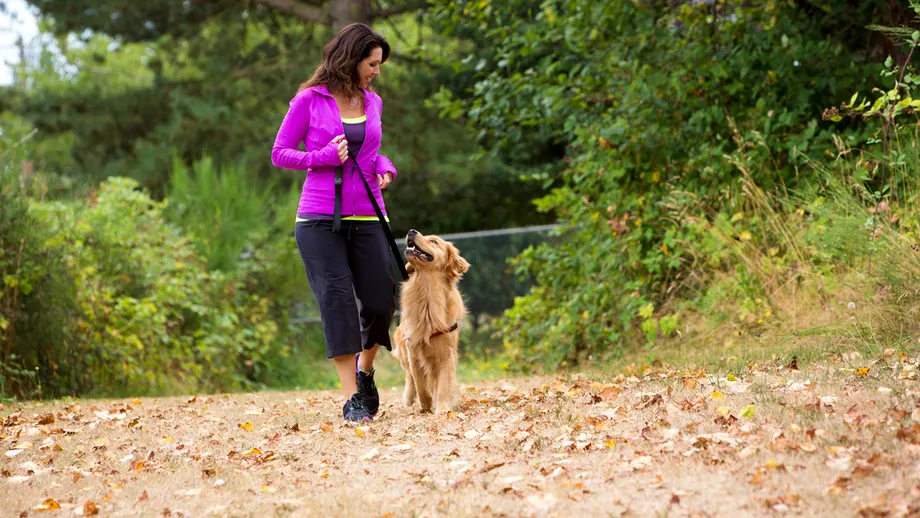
[345, 12]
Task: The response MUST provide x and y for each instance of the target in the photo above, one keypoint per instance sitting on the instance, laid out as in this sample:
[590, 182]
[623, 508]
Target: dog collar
[449, 330]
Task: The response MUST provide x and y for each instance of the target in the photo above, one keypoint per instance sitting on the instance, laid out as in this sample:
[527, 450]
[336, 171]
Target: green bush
[36, 288]
[649, 107]
[151, 318]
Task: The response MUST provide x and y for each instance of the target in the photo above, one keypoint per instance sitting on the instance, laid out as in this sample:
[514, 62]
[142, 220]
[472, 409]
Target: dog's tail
[397, 346]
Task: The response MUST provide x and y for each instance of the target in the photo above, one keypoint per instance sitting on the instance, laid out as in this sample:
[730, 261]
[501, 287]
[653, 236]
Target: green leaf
[747, 412]
[647, 311]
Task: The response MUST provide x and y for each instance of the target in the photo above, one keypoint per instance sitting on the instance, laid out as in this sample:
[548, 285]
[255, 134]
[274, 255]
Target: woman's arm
[292, 132]
[384, 166]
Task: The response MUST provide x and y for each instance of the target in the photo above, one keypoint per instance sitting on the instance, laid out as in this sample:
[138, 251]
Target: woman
[341, 241]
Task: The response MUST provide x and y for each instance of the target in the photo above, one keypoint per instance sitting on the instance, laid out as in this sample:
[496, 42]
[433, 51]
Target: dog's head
[431, 253]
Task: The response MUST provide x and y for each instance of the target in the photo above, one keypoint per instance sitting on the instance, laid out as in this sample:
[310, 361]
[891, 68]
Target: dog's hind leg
[421, 384]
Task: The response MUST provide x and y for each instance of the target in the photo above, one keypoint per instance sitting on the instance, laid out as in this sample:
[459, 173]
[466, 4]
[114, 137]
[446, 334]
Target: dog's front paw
[443, 409]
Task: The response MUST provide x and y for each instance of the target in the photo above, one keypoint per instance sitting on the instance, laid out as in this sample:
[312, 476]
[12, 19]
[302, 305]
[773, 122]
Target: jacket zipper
[354, 192]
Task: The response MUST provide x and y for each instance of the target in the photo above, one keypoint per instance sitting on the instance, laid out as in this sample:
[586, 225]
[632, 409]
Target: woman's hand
[342, 148]
[385, 180]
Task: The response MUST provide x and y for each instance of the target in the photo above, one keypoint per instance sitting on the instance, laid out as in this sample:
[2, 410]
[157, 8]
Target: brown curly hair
[339, 68]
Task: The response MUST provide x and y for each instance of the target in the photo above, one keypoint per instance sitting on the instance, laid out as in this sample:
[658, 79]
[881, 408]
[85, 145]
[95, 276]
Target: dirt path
[830, 440]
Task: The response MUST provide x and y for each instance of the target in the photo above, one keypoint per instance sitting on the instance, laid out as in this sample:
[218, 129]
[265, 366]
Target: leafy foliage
[216, 80]
[658, 106]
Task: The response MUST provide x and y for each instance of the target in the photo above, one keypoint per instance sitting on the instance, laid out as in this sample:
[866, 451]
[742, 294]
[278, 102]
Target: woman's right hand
[342, 147]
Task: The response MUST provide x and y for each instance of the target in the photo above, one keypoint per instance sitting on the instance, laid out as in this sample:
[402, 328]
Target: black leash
[337, 216]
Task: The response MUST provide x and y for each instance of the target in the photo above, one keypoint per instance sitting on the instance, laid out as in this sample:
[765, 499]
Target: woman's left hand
[385, 179]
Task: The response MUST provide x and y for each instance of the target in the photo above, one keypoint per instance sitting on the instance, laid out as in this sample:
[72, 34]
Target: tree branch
[409, 6]
[412, 59]
[304, 11]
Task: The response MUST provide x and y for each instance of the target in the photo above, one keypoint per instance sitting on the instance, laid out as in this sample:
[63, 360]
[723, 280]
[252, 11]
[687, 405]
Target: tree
[151, 20]
[641, 103]
[215, 79]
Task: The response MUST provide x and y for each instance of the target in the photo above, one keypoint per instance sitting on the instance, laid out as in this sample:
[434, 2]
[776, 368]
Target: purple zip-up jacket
[314, 119]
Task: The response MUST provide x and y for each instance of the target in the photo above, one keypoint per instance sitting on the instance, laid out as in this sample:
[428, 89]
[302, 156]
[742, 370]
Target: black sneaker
[354, 410]
[367, 391]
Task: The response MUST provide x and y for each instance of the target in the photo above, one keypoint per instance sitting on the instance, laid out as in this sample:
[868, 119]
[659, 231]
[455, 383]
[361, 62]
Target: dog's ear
[456, 264]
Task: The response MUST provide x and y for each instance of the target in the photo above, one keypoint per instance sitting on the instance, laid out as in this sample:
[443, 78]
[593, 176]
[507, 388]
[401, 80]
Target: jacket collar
[324, 90]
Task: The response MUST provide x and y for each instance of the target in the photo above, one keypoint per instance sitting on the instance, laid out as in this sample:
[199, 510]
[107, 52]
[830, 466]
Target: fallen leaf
[12, 453]
[839, 485]
[326, 427]
[254, 451]
[640, 463]
[542, 501]
[839, 463]
[609, 393]
[794, 364]
[372, 453]
[245, 426]
[862, 470]
[863, 372]
[46, 419]
[490, 467]
[716, 395]
[90, 508]
[48, 505]
[747, 412]
[649, 400]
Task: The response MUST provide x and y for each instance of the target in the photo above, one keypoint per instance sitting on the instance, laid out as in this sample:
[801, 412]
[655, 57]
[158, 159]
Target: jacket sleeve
[384, 165]
[292, 132]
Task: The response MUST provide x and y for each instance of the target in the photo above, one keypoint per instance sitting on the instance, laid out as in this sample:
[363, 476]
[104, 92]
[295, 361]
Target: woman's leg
[375, 287]
[325, 258]
[345, 366]
[366, 360]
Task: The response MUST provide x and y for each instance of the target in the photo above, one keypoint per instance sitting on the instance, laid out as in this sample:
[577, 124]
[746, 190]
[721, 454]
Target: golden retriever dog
[425, 342]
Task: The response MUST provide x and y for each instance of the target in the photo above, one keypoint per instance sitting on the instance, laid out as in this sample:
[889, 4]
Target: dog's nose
[412, 232]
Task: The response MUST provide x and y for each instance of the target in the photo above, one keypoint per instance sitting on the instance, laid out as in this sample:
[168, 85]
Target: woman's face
[369, 67]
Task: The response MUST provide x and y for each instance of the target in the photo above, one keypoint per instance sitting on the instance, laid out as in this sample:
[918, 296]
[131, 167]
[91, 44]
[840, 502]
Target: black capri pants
[354, 262]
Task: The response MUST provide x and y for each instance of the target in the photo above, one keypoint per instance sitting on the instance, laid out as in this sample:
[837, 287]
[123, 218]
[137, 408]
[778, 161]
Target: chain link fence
[490, 286]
